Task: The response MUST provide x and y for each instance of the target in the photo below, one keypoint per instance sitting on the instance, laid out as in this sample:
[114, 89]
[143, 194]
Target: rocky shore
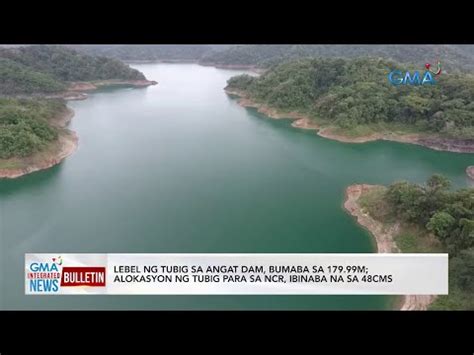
[305, 122]
[384, 239]
[78, 90]
[67, 141]
[89, 86]
[55, 153]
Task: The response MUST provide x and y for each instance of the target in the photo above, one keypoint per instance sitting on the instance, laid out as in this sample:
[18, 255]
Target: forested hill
[32, 69]
[453, 57]
[25, 123]
[16, 78]
[446, 214]
[355, 93]
[25, 127]
[149, 52]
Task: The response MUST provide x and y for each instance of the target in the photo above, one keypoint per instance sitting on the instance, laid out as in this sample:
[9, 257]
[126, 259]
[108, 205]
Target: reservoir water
[180, 167]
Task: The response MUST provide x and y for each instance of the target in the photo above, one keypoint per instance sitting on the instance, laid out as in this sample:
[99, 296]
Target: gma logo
[397, 77]
[44, 267]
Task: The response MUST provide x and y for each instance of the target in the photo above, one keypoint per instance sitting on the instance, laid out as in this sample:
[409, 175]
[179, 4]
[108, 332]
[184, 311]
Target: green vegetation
[356, 97]
[16, 78]
[461, 283]
[253, 55]
[47, 69]
[432, 218]
[24, 127]
[29, 70]
[373, 202]
[454, 57]
[169, 52]
[449, 215]
[408, 243]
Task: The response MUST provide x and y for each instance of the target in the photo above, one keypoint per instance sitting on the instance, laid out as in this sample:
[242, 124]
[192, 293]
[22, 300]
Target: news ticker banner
[236, 274]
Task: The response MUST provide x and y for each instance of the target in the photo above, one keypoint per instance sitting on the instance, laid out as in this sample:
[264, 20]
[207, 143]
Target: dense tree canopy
[44, 69]
[24, 127]
[348, 93]
[16, 78]
[454, 57]
[461, 268]
[449, 215]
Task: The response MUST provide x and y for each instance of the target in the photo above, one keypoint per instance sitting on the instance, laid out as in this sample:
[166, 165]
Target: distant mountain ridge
[148, 52]
[453, 57]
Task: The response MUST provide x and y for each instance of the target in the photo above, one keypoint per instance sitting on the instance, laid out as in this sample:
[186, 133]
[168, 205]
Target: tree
[24, 127]
[349, 93]
[467, 233]
[441, 224]
[438, 182]
[45, 69]
[407, 199]
[462, 270]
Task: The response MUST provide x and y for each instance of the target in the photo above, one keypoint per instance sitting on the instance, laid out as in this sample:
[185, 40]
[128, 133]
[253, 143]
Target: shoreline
[78, 90]
[384, 240]
[67, 141]
[190, 61]
[54, 154]
[303, 121]
[94, 85]
[158, 61]
[251, 68]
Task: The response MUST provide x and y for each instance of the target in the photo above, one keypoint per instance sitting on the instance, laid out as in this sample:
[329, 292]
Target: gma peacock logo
[397, 77]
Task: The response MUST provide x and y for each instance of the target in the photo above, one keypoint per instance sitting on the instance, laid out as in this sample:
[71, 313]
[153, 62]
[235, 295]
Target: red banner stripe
[83, 276]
